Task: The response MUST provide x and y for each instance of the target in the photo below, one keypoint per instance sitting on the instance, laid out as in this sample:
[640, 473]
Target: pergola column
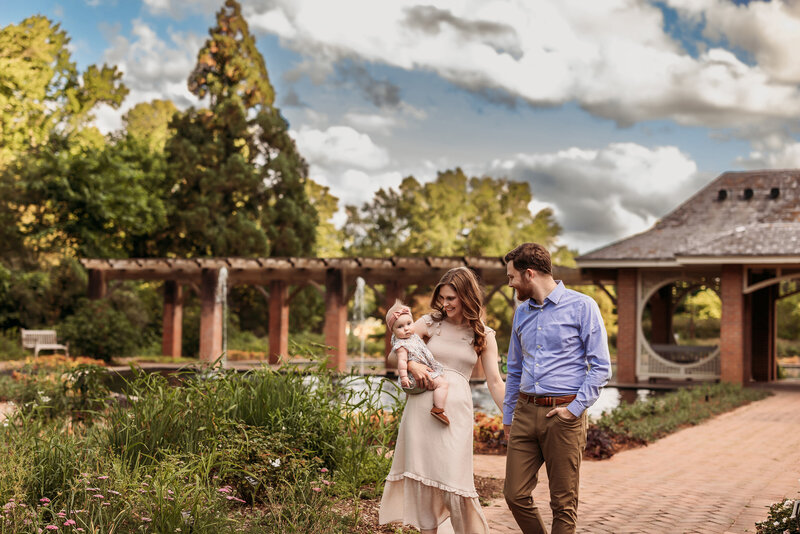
[210, 317]
[394, 291]
[336, 318]
[627, 321]
[732, 331]
[171, 337]
[278, 321]
[97, 284]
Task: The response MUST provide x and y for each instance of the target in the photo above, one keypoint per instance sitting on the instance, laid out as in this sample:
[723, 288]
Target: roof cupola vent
[775, 192]
[722, 195]
[748, 193]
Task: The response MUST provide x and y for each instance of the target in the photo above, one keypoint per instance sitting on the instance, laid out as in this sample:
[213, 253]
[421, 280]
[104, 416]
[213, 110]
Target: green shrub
[11, 345]
[779, 519]
[99, 330]
[648, 420]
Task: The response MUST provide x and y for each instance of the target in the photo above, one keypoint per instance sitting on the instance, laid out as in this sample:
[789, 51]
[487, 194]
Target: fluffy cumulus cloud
[613, 57]
[153, 68]
[605, 194]
[340, 146]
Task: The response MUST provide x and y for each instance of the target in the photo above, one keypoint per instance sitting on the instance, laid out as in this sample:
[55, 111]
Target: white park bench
[42, 340]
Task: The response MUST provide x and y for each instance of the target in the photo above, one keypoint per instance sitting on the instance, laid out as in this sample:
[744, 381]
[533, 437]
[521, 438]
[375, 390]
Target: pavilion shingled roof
[708, 225]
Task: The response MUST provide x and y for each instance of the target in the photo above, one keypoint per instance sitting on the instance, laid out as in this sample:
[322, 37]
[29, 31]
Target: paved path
[718, 477]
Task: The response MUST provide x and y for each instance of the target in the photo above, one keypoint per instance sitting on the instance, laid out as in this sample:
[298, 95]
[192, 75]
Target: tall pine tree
[238, 180]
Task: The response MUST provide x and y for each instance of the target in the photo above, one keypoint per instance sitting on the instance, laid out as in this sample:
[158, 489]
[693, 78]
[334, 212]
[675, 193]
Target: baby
[409, 346]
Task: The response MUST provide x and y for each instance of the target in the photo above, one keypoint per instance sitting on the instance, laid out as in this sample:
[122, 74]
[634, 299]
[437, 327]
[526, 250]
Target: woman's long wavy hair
[465, 284]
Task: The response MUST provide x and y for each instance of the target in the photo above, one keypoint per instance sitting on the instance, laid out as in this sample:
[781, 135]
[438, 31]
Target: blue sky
[614, 111]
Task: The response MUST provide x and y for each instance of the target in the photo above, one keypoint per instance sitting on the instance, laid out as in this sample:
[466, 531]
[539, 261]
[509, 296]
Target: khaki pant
[536, 439]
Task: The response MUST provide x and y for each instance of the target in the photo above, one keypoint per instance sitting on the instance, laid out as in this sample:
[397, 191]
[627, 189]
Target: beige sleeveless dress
[431, 475]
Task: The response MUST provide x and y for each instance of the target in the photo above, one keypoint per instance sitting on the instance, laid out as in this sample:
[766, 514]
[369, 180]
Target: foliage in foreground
[655, 417]
[220, 452]
[783, 518]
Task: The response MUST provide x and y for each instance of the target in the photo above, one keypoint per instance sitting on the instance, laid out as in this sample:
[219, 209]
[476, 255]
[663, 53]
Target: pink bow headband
[395, 315]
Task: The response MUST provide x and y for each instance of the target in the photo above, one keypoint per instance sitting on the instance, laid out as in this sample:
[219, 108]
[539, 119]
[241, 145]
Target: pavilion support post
[394, 291]
[97, 284]
[336, 319]
[627, 321]
[661, 316]
[210, 317]
[278, 321]
[763, 331]
[171, 338]
[732, 327]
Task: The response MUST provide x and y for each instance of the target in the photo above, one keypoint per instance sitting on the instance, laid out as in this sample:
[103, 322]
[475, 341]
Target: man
[558, 362]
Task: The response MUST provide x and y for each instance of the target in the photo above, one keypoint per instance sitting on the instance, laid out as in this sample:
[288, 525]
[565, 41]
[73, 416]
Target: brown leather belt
[547, 401]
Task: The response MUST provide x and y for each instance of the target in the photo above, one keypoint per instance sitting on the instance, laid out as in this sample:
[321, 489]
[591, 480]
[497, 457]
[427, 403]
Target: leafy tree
[46, 106]
[329, 238]
[238, 181]
[453, 215]
[100, 202]
[149, 122]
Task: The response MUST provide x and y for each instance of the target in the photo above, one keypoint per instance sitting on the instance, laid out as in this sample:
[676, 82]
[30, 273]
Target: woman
[431, 475]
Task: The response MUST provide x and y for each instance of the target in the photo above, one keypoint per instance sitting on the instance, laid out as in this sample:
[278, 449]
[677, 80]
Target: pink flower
[114, 492]
[98, 496]
[79, 529]
[326, 482]
[317, 489]
[323, 470]
[51, 527]
[146, 519]
[103, 477]
[70, 523]
[224, 489]
[44, 500]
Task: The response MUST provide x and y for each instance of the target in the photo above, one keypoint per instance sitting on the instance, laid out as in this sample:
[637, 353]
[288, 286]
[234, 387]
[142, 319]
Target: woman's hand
[421, 374]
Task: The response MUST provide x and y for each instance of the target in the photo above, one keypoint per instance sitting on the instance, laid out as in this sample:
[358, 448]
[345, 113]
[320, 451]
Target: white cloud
[784, 157]
[152, 69]
[613, 57]
[768, 30]
[180, 8]
[371, 122]
[340, 146]
[600, 195]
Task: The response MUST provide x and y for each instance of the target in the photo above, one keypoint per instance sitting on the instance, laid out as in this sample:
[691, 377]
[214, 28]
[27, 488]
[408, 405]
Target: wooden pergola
[334, 277]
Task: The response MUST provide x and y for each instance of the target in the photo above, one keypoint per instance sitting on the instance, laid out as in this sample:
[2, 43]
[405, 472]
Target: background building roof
[739, 214]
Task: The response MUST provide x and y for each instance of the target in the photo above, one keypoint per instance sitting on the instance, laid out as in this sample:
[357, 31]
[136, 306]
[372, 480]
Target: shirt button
[537, 365]
[538, 346]
[539, 328]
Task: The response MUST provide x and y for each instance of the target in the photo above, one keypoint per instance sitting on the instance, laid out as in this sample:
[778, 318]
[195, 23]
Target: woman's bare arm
[489, 357]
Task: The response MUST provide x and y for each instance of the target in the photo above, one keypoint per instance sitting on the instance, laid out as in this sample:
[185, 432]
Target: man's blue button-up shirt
[558, 348]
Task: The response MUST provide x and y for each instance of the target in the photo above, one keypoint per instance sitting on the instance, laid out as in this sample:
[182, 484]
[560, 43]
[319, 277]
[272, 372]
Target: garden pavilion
[390, 278]
[739, 235]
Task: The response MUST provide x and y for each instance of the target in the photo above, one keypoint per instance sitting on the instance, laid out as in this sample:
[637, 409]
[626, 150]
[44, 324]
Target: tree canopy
[452, 215]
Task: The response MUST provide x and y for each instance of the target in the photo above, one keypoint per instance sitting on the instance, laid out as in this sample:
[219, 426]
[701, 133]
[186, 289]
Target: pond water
[610, 397]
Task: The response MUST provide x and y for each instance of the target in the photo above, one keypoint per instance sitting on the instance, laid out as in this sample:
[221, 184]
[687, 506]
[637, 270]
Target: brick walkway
[718, 477]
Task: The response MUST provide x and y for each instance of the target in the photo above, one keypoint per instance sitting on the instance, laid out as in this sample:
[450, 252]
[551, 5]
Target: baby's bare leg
[440, 391]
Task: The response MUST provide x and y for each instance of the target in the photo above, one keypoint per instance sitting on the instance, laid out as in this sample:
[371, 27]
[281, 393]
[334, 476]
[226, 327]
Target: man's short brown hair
[530, 256]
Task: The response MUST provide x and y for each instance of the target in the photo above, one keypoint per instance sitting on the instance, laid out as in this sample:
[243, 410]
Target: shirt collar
[554, 296]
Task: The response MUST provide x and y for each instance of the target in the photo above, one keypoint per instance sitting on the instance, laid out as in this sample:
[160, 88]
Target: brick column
[732, 338]
[210, 317]
[97, 284]
[278, 321]
[336, 319]
[627, 320]
[171, 337]
[394, 291]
